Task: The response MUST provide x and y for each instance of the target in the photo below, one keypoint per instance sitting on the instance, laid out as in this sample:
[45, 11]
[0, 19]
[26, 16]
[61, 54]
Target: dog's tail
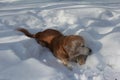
[26, 32]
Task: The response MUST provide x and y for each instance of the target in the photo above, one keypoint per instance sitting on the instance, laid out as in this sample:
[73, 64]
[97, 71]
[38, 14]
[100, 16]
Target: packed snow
[21, 58]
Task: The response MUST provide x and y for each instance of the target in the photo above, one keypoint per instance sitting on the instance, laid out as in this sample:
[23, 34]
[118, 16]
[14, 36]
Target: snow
[29, 70]
[112, 53]
[21, 58]
[3, 1]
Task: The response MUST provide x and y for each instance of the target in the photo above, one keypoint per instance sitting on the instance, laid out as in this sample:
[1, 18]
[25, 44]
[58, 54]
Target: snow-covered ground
[21, 58]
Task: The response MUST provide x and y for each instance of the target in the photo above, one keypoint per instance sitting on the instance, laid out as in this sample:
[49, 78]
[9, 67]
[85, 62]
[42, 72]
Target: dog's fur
[66, 48]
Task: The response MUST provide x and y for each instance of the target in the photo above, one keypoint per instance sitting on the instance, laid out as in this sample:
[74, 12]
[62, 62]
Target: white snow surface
[21, 58]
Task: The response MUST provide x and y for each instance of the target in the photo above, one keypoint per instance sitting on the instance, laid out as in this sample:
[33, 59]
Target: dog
[69, 48]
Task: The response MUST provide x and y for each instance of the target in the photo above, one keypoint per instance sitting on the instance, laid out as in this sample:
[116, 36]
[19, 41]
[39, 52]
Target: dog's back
[44, 37]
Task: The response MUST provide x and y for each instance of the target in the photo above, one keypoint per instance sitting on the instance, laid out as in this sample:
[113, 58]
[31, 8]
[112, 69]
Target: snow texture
[21, 58]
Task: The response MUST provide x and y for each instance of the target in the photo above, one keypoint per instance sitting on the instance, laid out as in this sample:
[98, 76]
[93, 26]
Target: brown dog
[66, 48]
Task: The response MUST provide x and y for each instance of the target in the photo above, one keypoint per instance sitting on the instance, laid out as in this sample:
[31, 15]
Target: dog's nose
[90, 51]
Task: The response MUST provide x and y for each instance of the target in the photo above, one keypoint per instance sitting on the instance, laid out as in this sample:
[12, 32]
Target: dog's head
[81, 55]
[44, 38]
[77, 50]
